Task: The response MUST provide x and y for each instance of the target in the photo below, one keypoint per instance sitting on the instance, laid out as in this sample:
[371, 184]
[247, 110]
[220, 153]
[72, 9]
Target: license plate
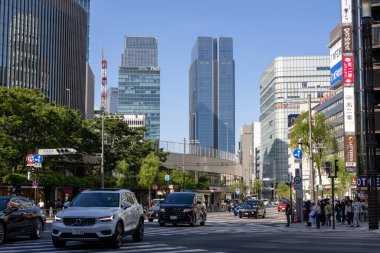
[77, 231]
[173, 217]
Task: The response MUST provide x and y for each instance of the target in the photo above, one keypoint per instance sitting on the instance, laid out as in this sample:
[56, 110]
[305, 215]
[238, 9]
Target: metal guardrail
[196, 149]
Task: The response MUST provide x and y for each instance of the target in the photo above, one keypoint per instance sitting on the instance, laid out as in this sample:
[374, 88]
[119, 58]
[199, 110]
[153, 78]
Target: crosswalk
[72, 247]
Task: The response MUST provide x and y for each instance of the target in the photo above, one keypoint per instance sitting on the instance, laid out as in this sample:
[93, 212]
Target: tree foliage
[282, 190]
[257, 187]
[148, 171]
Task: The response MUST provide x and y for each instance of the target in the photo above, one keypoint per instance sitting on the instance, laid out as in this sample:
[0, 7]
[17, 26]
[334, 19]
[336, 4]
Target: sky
[261, 31]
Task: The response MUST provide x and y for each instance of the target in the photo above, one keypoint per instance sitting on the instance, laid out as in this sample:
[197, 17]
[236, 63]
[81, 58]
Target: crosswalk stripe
[188, 250]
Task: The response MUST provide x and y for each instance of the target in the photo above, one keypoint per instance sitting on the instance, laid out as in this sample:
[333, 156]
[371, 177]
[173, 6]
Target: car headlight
[162, 210]
[57, 218]
[106, 218]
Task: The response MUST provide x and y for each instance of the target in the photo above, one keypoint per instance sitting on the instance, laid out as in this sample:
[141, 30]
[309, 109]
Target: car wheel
[117, 239]
[150, 220]
[2, 233]
[58, 244]
[240, 216]
[38, 230]
[138, 235]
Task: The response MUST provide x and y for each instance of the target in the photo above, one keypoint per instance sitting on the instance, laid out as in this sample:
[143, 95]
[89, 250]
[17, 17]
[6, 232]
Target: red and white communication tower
[104, 83]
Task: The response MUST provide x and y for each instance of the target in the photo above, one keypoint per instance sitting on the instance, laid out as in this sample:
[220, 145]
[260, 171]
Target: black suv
[252, 208]
[184, 208]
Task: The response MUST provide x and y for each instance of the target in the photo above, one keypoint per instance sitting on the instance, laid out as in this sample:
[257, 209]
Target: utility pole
[311, 151]
[183, 164]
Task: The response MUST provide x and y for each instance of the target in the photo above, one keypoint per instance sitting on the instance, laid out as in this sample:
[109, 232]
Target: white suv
[99, 214]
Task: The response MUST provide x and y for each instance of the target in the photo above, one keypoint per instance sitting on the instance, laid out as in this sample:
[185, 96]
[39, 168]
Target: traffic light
[65, 151]
[30, 175]
[336, 167]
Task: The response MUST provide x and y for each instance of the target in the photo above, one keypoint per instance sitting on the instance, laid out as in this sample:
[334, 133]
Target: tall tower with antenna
[104, 83]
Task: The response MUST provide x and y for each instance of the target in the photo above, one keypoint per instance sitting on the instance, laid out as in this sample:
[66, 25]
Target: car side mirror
[66, 204]
[126, 205]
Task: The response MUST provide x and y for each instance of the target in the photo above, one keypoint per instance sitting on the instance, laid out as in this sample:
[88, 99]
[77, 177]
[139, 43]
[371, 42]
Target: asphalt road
[224, 232]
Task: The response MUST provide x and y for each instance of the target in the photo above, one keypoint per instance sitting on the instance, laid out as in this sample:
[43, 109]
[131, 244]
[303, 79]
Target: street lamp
[102, 162]
[69, 99]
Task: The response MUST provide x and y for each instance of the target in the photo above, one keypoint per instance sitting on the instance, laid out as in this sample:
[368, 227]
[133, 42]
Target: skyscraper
[212, 93]
[284, 86]
[112, 100]
[86, 6]
[139, 82]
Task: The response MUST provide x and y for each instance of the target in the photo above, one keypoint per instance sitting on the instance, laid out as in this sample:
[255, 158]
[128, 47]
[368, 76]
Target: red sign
[155, 187]
[30, 158]
[348, 70]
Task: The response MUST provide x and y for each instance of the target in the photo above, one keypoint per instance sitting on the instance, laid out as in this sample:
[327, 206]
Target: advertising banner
[336, 53]
[346, 9]
[348, 70]
[349, 109]
[350, 151]
[347, 39]
[336, 74]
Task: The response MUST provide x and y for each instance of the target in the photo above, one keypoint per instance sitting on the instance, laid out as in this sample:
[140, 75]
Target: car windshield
[250, 204]
[156, 202]
[179, 199]
[96, 199]
[3, 203]
[283, 202]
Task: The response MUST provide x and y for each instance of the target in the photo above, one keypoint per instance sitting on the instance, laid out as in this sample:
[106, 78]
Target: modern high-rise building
[284, 86]
[86, 6]
[139, 82]
[112, 100]
[43, 46]
[212, 93]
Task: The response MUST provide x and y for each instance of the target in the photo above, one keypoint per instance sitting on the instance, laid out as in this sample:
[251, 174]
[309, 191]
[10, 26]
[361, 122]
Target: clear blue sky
[261, 30]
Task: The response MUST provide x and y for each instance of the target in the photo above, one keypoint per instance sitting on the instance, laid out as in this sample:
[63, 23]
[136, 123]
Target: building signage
[364, 182]
[347, 39]
[348, 70]
[336, 75]
[291, 119]
[349, 109]
[336, 53]
[350, 150]
[346, 9]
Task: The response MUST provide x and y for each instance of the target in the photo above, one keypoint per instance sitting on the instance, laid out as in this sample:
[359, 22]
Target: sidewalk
[338, 228]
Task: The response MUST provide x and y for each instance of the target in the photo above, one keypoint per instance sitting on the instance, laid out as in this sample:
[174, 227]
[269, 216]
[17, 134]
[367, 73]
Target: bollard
[51, 212]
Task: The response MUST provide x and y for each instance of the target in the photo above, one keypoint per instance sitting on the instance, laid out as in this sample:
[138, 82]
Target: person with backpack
[287, 213]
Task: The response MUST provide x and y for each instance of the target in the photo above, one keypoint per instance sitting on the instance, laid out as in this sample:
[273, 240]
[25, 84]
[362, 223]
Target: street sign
[38, 158]
[34, 184]
[155, 187]
[297, 153]
[297, 182]
[167, 177]
[38, 165]
[237, 191]
[56, 151]
[320, 187]
[29, 159]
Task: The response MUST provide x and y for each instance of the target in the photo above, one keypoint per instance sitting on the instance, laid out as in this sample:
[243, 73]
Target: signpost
[297, 182]
[30, 160]
[167, 178]
[297, 153]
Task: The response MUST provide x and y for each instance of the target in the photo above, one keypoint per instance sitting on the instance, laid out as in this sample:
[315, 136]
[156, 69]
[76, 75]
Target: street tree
[148, 172]
[282, 190]
[258, 186]
[238, 185]
[322, 134]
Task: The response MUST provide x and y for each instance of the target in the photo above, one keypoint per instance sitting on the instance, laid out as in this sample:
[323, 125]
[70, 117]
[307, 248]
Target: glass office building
[139, 82]
[112, 100]
[43, 46]
[86, 5]
[212, 93]
[284, 86]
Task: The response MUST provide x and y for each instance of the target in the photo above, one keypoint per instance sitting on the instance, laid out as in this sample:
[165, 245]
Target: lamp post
[102, 162]
[183, 164]
[368, 97]
[68, 90]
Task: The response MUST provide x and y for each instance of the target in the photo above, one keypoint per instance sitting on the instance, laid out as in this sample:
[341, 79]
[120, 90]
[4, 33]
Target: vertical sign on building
[348, 87]
[336, 63]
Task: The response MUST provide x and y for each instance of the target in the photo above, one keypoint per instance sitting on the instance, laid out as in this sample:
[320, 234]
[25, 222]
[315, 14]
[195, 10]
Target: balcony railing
[196, 149]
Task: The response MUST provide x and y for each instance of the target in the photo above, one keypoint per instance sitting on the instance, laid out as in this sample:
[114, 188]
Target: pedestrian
[348, 210]
[307, 212]
[357, 206]
[364, 216]
[338, 211]
[312, 215]
[41, 204]
[328, 214]
[343, 211]
[319, 215]
[287, 213]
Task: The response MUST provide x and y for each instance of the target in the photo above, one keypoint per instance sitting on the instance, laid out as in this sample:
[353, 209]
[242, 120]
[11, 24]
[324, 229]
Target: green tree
[148, 172]
[322, 133]
[344, 179]
[258, 186]
[203, 183]
[282, 190]
[243, 188]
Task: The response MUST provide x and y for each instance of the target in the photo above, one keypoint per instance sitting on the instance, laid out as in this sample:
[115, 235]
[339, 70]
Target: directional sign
[38, 158]
[30, 159]
[297, 182]
[167, 177]
[297, 153]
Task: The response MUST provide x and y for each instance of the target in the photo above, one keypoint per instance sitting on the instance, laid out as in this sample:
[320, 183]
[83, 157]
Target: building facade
[212, 93]
[43, 46]
[284, 86]
[112, 100]
[139, 82]
[86, 6]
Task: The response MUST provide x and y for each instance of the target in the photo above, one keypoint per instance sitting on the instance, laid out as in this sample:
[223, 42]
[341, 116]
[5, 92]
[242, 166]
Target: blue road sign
[297, 180]
[38, 158]
[167, 177]
[297, 153]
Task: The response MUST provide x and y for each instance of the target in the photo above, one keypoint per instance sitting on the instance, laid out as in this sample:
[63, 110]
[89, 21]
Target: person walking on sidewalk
[357, 206]
[312, 215]
[287, 213]
[328, 214]
[348, 210]
[319, 215]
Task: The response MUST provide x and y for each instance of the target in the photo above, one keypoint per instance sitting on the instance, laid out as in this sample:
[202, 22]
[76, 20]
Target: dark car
[182, 208]
[154, 210]
[252, 208]
[19, 216]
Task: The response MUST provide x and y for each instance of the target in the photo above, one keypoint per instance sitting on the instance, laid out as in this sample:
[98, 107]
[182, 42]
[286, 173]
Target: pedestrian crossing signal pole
[332, 174]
